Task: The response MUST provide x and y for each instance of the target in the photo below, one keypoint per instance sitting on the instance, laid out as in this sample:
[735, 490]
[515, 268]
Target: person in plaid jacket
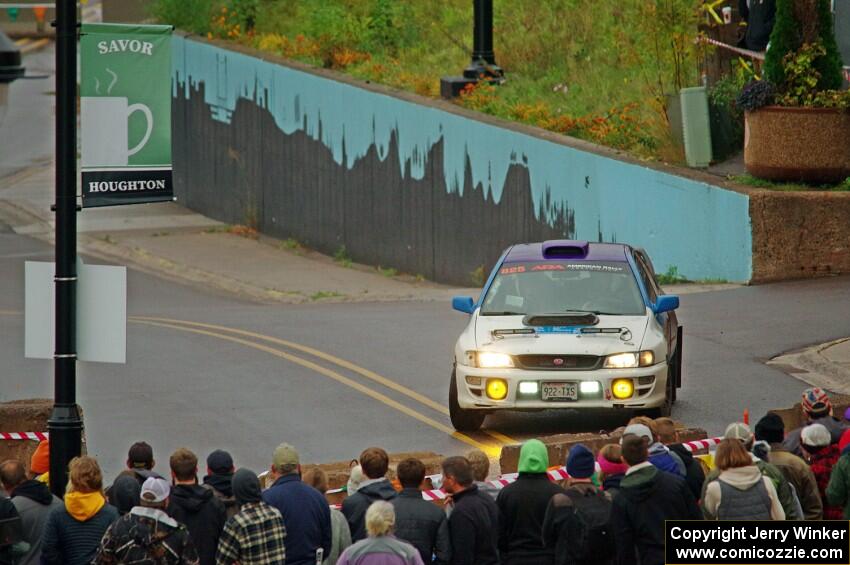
[254, 536]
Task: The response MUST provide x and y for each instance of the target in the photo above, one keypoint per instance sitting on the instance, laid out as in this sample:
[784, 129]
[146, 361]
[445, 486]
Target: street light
[483, 65]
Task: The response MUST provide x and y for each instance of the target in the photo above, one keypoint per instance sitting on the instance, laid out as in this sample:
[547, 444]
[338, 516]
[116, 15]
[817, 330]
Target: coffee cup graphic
[105, 130]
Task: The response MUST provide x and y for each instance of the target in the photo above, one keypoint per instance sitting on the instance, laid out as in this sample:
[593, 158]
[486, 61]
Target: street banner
[125, 114]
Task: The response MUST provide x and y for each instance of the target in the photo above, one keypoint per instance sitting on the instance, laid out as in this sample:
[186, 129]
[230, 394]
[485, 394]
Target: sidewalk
[826, 365]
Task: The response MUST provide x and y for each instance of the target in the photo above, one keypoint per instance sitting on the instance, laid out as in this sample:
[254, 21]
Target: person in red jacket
[821, 455]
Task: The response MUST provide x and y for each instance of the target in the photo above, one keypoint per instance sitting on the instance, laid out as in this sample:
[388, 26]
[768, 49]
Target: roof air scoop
[564, 249]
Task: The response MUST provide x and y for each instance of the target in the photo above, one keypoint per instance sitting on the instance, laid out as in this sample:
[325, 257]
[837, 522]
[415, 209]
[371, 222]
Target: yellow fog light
[497, 389]
[622, 388]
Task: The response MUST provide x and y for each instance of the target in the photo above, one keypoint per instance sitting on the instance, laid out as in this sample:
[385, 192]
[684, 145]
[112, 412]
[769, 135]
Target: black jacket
[422, 525]
[522, 507]
[204, 517]
[562, 528]
[474, 527]
[759, 15]
[223, 489]
[8, 554]
[354, 507]
[695, 475]
[647, 497]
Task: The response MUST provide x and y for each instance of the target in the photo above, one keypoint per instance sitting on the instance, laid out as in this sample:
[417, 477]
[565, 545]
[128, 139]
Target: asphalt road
[205, 386]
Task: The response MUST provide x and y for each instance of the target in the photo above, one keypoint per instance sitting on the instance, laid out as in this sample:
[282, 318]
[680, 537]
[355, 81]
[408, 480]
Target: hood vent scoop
[567, 319]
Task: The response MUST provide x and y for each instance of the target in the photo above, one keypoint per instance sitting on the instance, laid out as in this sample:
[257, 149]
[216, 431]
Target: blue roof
[524, 252]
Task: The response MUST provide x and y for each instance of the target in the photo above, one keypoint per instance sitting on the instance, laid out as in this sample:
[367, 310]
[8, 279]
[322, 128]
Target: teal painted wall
[701, 229]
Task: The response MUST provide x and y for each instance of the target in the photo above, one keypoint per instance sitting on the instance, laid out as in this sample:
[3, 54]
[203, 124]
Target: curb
[810, 366]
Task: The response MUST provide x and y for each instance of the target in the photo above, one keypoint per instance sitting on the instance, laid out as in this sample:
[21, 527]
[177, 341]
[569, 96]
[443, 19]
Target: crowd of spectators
[610, 509]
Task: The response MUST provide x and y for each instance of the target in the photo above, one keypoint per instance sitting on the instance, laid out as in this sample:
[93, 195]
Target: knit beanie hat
[246, 487]
[816, 402]
[40, 461]
[580, 462]
[771, 428]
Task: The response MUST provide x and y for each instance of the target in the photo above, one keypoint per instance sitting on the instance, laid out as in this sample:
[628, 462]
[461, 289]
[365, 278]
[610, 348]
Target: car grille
[558, 362]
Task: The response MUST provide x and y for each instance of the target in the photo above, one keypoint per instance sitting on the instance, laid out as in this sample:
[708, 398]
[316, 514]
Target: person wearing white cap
[659, 454]
[787, 497]
[821, 455]
[147, 534]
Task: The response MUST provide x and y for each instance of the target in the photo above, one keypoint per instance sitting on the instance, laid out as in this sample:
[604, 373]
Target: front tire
[666, 409]
[463, 420]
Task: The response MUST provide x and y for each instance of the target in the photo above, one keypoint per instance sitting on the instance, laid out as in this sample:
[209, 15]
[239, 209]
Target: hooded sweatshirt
[222, 487]
[354, 507]
[664, 459]
[124, 493]
[648, 497]
[523, 507]
[694, 475]
[74, 530]
[202, 513]
[147, 536]
[34, 502]
[742, 479]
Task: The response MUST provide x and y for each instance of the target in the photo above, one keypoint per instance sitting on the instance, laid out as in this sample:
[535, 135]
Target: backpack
[595, 539]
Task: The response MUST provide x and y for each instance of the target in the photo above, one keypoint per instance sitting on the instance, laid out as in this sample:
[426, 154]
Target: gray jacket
[423, 525]
[34, 503]
[835, 427]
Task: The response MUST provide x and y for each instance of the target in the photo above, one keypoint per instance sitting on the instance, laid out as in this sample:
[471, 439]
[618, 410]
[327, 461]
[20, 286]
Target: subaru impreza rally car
[567, 324]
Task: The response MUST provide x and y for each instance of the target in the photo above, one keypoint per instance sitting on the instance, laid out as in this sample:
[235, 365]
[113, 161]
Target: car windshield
[551, 287]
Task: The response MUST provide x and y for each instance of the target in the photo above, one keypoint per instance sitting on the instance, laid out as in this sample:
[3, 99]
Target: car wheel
[665, 409]
[463, 420]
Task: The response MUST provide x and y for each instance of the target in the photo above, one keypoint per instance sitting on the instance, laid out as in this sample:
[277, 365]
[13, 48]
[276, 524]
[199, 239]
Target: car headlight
[489, 360]
[629, 360]
[623, 388]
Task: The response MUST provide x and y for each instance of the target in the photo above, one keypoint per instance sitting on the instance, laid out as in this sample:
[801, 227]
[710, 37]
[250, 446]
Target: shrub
[189, 15]
[756, 94]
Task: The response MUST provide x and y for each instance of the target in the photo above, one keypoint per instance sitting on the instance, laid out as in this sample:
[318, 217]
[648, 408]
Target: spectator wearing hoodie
[480, 464]
[381, 547]
[147, 535]
[659, 454]
[771, 430]
[375, 462]
[256, 534]
[817, 408]
[647, 497]
[838, 488]
[140, 464]
[522, 506]
[306, 515]
[611, 468]
[220, 471]
[341, 535]
[787, 497]
[577, 522]
[740, 492]
[418, 522]
[73, 531]
[821, 455]
[33, 501]
[195, 506]
[669, 436]
[474, 520]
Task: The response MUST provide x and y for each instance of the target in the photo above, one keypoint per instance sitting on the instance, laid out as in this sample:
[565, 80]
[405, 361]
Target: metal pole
[65, 425]
[482, 42]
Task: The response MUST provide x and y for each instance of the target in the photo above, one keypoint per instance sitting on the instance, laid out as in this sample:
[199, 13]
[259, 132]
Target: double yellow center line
[261, 342]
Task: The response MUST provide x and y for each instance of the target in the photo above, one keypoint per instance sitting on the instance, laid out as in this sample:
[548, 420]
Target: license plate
[560, 391]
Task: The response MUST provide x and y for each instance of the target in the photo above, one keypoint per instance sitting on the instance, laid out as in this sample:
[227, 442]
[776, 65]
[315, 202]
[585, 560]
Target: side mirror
[463, 304]
[665, 303]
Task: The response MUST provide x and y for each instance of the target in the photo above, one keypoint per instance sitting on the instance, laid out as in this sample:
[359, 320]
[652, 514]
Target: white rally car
[567, 324]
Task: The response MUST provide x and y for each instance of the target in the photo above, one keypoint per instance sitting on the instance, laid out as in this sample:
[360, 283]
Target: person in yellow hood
[73, 531]
[523, 506]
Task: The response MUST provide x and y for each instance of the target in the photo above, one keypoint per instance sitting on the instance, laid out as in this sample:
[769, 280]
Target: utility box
[696, 126]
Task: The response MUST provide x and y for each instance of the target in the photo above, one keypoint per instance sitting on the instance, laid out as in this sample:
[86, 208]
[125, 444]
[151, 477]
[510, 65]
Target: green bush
[188, 15]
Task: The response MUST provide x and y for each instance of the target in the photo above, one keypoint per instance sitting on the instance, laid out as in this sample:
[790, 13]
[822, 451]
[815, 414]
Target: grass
[572, 67]
[325, 294]
[292, 244]
[672, 276]
[388, 272]
[342, 258]
[755, 182]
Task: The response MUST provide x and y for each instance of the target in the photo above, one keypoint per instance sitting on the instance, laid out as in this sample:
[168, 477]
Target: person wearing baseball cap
[741, 432]
[140, 464]
[219, 479]
[816, 407]
[147, 534]
[821, 455]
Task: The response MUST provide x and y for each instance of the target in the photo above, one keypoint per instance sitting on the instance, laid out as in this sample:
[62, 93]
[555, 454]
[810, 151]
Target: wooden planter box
[798, 144]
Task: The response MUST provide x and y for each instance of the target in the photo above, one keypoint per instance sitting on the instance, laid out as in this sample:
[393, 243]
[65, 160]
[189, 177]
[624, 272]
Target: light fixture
[497, 389]
[528, 387]
[622, 388]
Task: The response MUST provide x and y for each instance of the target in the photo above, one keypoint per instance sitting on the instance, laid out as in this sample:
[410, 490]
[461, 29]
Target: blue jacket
[307, 518]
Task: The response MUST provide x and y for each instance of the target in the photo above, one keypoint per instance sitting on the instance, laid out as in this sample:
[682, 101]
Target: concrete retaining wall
[417, 184]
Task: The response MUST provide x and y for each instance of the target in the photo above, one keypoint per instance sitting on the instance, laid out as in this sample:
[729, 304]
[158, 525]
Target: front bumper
[649, 388]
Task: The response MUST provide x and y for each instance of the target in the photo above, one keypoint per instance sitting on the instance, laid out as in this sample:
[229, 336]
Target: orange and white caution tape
[33, 436]
[758, 55]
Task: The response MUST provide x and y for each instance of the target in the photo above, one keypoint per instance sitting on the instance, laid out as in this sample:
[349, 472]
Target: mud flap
[679, 333]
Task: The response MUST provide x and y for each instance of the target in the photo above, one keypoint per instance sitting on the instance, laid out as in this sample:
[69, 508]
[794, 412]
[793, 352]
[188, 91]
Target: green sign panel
[125, 113]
